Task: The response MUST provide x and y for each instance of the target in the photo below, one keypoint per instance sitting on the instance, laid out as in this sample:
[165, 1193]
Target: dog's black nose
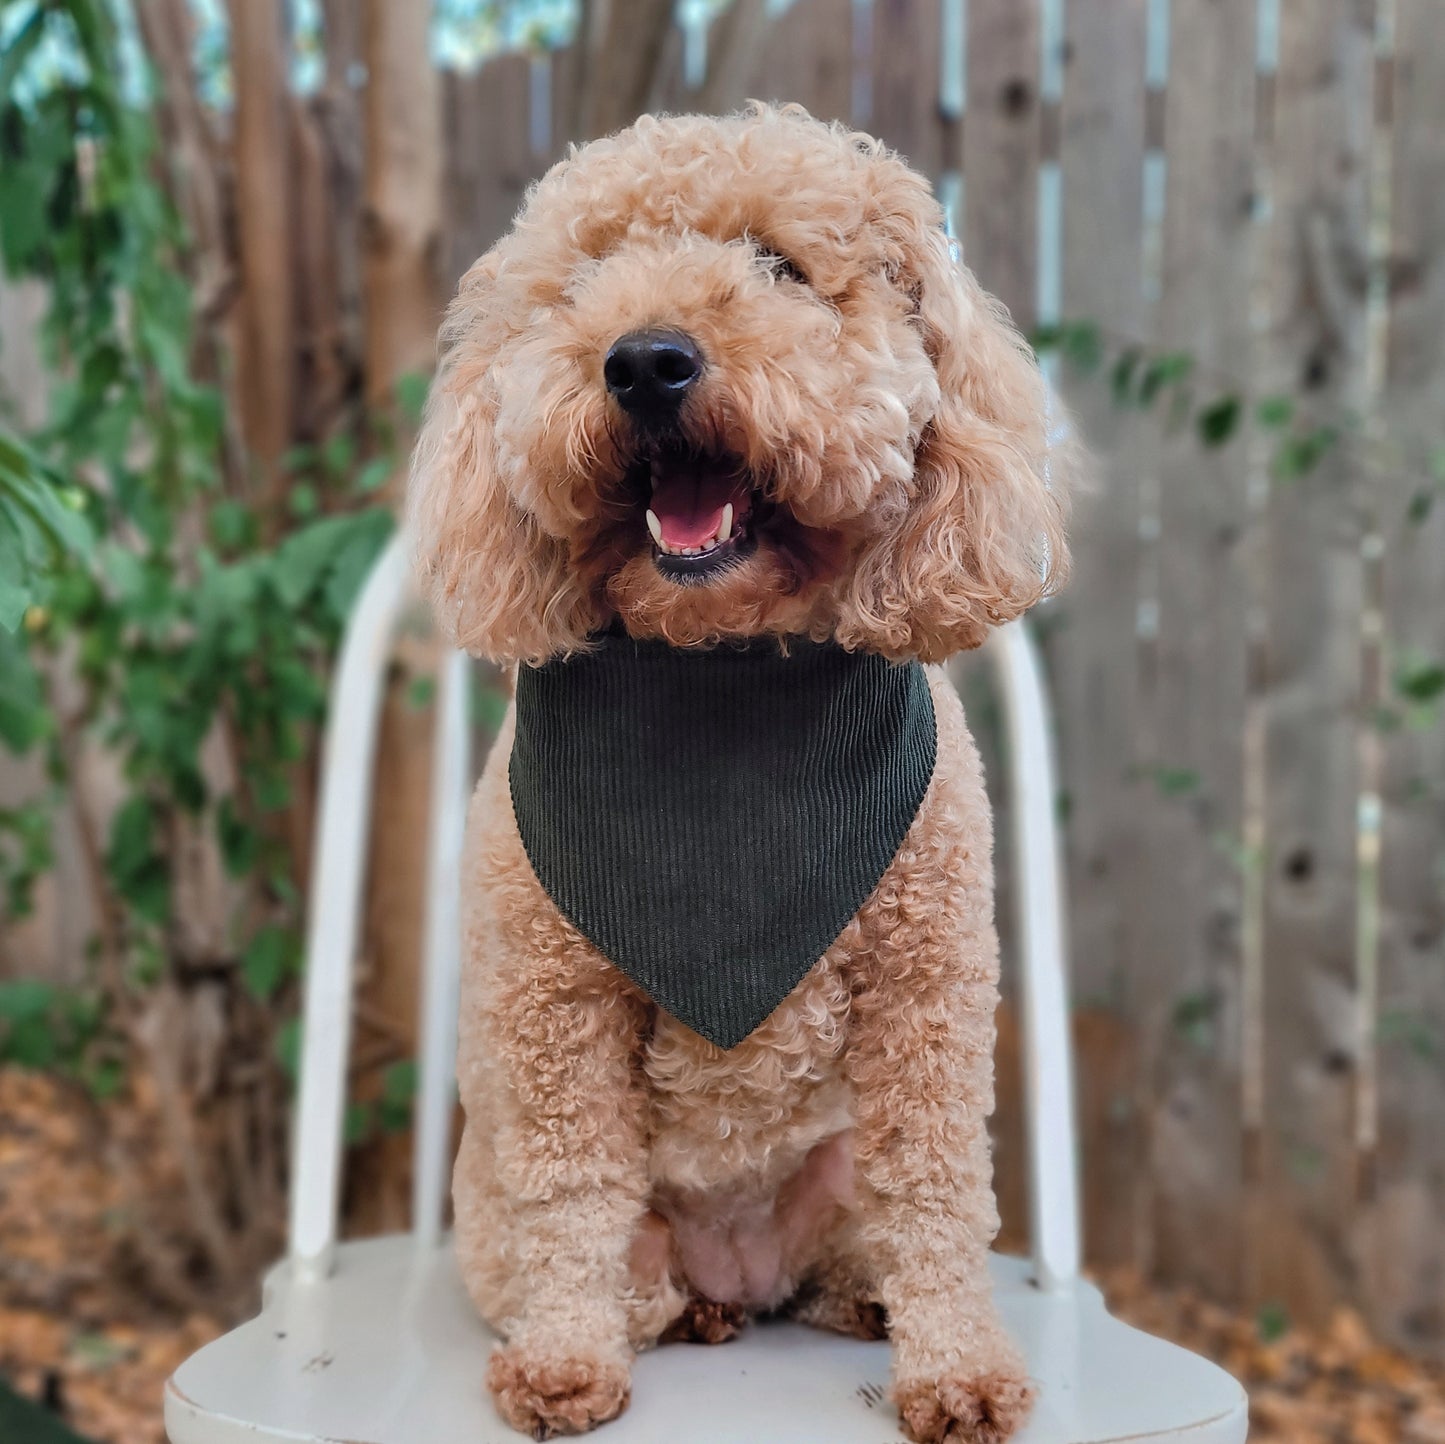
[651, 371]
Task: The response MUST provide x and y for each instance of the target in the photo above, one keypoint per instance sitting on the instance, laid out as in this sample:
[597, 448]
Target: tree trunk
[402, 249]
[267, 360]
[194, 151]
[402, 222]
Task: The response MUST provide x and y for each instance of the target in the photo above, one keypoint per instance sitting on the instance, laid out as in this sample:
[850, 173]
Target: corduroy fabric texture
[712, 819]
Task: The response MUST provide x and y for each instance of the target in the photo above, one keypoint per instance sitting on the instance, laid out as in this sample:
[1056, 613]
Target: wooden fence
[1246, 665]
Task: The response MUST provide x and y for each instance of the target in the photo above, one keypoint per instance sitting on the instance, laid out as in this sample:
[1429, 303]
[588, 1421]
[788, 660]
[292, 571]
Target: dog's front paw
[982, 1410]
[704, 1321]
[546, 1394]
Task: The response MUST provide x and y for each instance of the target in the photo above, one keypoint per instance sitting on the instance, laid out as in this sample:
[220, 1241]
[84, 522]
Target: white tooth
[655, 527]
[726, 529]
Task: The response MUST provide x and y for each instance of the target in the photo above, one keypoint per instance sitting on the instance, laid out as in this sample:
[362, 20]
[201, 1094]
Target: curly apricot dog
[723, 398]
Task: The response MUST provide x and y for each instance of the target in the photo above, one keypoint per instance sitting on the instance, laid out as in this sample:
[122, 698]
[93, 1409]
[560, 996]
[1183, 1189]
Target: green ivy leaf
[31, 1043]
[1122, 376]
[134, 862]
[34, 487]
[28, 1032]
[1274, 412]
[1193, 1018]
[268, 960]
[398, 1093]
[233, 525]
[1272, 1322]
[272, 791]
[1421, 505]
[375, 474]
[300, 458]
[103, 1079]
[26, 851]
[301, 561]
[338, 455]
[1171, 369]
[354, 561]
[1397, 1025]
[489, 701]
[358, 1125]
[25, 999]
[288, 1049]
[1176, 781]
[303, 500]
[24, 716]
[333, 554]
[24, 196]
[1421, 681]
[411, 390]
[17, 588]
[1297, 456]
[1218, 420]
[1083, 347]
[240, 842]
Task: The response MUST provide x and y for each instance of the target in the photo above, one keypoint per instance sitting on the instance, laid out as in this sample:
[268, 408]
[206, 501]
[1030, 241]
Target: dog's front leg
[562, 1108]
[921, 1059]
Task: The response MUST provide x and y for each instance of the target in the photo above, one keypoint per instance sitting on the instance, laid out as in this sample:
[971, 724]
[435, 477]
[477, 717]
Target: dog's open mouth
[702, 513]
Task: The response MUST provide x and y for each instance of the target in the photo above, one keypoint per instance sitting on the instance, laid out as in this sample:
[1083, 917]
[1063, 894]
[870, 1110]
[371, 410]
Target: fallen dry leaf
[77, 1328]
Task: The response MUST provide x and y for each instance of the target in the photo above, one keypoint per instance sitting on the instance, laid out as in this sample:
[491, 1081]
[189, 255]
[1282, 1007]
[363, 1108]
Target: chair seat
[388, 1350]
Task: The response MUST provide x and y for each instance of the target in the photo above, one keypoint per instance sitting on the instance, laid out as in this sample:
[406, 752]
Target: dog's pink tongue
[689, 504]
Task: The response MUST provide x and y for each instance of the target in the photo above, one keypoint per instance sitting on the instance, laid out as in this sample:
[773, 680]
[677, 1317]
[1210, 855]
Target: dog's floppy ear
[499, 585]
[981, 536]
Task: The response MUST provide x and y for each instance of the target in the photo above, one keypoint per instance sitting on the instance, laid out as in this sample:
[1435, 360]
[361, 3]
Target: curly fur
[620, 1179]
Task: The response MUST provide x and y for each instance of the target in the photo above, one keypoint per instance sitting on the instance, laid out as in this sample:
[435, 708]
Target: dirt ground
[77, 1331]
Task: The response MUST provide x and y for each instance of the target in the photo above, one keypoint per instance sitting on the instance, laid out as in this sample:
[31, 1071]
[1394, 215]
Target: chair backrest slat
[334, 913]
[441, 958]
[1043, 977]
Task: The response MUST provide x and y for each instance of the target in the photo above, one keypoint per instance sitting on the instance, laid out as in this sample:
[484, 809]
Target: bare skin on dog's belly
[752, 1159]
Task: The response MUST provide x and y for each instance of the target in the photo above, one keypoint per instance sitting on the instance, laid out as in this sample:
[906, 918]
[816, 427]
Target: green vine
[150, 603]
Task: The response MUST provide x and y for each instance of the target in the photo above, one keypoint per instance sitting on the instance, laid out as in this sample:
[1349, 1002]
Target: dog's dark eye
[780, 265]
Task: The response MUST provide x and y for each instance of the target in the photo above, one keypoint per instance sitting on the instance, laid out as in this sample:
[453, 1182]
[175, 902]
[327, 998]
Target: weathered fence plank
[1315, 345]
[1002, 135]
[905, 81]
[1092, 647]
[808, 57]
[999, 231]
[489, 153]
[1190, 912]
[1407, 1263]
[566, 80]
[670, 92]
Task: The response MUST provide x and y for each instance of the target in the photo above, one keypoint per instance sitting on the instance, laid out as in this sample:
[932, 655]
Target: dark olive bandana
[711, 819]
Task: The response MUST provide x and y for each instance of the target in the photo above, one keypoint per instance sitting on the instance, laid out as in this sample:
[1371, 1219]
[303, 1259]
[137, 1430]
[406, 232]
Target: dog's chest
[742, 1121]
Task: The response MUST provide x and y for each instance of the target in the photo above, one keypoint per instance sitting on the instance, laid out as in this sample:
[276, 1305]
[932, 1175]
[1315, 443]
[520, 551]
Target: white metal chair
[376, 1341]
